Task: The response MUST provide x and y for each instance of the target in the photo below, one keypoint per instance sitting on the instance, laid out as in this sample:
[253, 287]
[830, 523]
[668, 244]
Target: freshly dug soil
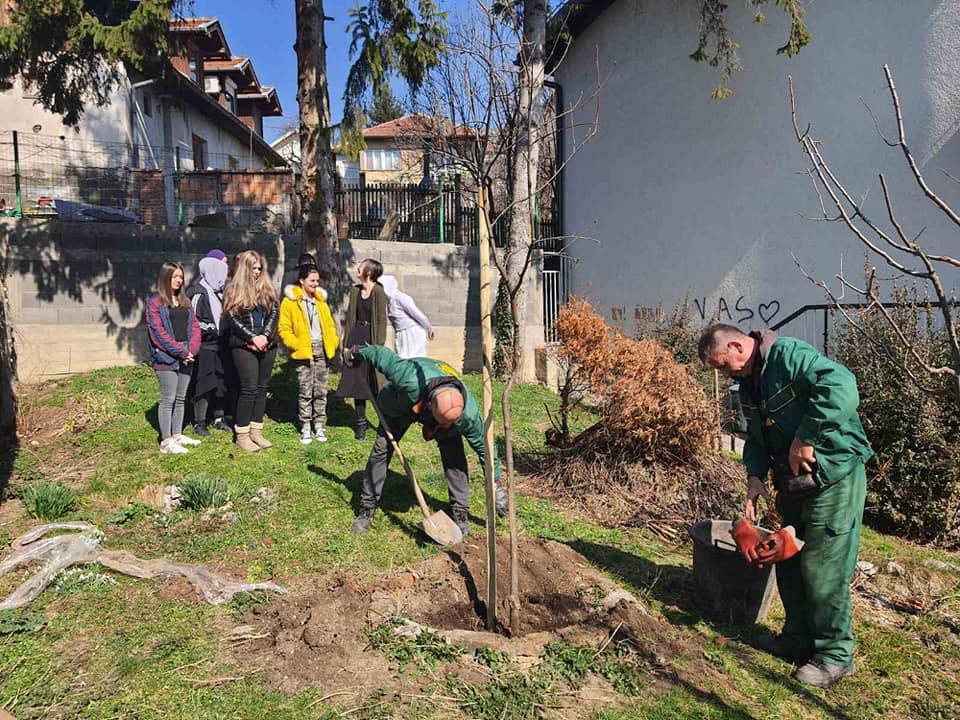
[315, 636]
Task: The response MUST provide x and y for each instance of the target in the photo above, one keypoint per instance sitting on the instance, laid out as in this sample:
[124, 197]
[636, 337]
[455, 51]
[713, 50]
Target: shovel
[438, 526]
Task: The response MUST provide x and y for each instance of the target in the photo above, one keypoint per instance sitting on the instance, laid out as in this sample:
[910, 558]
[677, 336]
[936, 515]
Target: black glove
[351, 358]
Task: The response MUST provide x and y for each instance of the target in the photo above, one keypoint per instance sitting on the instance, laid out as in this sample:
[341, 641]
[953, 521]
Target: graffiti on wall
[737, 312]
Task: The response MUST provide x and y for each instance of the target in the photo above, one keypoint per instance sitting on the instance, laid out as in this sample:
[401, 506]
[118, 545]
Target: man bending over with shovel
[802, 423]
[428, 392]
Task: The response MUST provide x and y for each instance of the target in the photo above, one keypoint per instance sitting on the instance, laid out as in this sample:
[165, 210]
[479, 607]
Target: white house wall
[678, 193]
[187, 122]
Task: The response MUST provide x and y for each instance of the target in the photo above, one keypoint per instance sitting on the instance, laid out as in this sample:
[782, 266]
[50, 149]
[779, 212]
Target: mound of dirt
[315, 636]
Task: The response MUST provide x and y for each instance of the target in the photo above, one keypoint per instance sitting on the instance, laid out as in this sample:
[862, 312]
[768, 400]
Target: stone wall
[77, 290]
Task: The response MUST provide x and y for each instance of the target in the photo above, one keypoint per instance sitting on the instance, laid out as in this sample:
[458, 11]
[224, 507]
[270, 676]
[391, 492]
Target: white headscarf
[213, 276]
[389, 283]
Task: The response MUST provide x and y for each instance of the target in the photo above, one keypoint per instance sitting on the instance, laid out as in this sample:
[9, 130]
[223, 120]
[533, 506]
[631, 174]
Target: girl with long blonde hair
[250, 311]
[174, 335]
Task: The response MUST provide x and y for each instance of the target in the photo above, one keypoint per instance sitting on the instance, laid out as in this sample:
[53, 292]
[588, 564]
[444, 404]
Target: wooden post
[487, 342]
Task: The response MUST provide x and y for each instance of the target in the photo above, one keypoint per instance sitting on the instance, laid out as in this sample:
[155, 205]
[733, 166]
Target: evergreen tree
[73, 52]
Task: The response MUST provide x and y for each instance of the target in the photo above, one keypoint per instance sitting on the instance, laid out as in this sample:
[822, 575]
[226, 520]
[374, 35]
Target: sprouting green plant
[21, 620]
[427, 650]
[131, 514]
[241, 602]
[620, 666]
[47, 500]
[199, 492]
[491, 658]
[569, 663]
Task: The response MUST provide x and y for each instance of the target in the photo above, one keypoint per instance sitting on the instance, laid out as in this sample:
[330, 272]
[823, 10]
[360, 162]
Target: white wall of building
[678, 193]
[124, 122]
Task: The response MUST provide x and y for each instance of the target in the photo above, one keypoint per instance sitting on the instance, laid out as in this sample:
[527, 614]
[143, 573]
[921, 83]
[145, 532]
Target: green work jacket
[806, 395]
[406, 381]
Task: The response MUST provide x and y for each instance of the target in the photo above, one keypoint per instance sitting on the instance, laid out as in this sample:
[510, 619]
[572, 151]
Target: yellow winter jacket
[294, 326]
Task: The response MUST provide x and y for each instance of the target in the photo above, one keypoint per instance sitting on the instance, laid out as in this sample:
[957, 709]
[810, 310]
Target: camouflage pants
[312, 375]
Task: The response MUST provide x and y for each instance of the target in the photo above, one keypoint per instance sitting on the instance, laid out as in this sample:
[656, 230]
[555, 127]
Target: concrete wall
[679, 193]
[444, 280]
[77, 290]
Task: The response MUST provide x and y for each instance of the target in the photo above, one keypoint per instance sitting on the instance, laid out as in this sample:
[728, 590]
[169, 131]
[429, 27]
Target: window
[199, 153]
[381, 159]
[231, 103]
[194, 65]
[147, 105]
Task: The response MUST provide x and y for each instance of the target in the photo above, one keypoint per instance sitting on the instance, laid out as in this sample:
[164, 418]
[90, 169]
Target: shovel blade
[440, 528]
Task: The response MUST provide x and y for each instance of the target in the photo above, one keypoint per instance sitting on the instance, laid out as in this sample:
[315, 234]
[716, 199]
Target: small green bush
[46, 500]
[200, 492]
[914, 481]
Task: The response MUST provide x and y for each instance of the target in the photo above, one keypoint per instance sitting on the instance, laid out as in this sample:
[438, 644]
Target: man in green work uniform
[428, 392]
[801, 410]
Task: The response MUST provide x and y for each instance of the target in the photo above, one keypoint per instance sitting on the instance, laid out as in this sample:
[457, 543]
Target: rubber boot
[256, 434]
[243, 440]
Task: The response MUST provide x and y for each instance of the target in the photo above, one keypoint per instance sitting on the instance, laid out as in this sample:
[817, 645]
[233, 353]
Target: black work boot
[220, 423]
[821, 674]
[461, 519]
[360, 430]
[200, 430]
[362, 522]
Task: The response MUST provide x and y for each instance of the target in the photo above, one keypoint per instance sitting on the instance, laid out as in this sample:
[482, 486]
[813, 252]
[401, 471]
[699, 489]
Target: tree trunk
[8, 373]
[526, 163]
[316, 154]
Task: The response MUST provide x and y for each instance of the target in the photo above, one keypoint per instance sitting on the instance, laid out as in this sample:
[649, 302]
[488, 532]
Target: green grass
[92, 649]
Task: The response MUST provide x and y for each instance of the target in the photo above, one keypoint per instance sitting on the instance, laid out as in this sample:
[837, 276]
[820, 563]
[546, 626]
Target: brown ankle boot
[244, 442]
[256, 434]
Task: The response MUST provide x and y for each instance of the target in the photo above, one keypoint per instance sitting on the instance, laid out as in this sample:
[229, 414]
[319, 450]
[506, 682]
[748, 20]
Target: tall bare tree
[485, 119]
[891, 244]
[316, 151]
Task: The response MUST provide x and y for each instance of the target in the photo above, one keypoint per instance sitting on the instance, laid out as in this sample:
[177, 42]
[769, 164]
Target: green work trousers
[815, 584]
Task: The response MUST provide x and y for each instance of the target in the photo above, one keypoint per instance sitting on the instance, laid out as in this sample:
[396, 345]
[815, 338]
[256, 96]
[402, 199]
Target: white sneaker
[318, 434]
[172, 447]
[184, 440]
[305, 437]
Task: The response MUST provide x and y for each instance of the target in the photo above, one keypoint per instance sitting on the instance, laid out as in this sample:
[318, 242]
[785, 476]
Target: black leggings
[253, 370]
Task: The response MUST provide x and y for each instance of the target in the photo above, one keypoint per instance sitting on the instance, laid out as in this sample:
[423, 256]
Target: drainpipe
[550, 82]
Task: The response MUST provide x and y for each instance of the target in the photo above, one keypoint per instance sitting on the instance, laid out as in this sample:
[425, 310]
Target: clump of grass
[131, 514]
[200, 492]
[427, 650]
[48, 500]
[569, 663]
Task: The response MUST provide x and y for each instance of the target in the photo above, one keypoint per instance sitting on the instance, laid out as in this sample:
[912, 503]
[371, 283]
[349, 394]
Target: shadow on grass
[396, 500]
[152, 416]
[672, 586]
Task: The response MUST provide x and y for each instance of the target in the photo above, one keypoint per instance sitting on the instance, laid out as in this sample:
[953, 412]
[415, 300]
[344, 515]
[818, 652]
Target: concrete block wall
[77, 290]
[444, 280]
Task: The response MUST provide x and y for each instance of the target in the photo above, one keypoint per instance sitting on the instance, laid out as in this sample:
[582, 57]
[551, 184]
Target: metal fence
[73, 178]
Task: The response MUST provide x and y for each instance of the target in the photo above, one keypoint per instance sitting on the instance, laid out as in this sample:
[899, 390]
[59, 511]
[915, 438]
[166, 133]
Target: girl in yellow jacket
[306, 328]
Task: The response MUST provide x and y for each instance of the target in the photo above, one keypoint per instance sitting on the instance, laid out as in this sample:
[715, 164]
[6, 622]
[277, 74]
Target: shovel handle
[424, 508]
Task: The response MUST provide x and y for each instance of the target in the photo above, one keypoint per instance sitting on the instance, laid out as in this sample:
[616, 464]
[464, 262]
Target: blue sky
[265, 30]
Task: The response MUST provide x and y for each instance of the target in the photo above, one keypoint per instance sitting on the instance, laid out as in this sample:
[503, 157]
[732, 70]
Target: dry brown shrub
[651, 407]
[649, 460]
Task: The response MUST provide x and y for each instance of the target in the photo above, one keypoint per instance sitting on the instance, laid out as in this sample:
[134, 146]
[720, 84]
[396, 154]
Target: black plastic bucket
[728, 589]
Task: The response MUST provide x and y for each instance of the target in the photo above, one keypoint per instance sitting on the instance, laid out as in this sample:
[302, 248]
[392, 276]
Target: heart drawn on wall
[768, 311]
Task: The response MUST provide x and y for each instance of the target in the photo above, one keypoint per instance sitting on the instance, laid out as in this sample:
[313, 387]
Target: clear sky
[264, 30]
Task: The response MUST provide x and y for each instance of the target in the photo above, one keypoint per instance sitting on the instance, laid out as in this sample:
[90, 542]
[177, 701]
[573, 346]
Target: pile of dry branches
[649, 459]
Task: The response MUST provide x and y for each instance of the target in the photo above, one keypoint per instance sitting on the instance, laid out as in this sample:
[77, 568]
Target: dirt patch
[315, 635]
